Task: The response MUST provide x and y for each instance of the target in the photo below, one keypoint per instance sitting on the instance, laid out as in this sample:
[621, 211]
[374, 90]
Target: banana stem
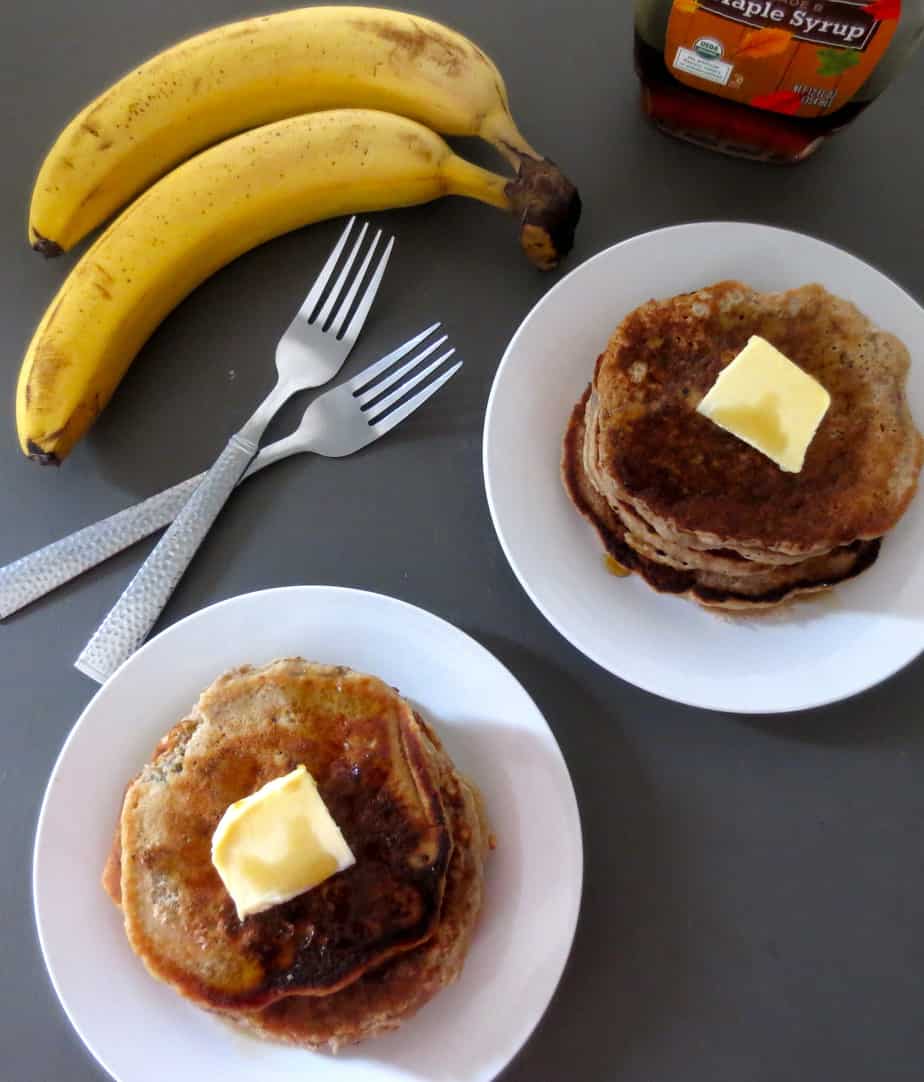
[547, 202]
[466, 178]
[500, 130]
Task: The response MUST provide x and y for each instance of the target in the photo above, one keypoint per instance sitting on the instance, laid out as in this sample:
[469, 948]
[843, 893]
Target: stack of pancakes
[696, 511]
[359, 953]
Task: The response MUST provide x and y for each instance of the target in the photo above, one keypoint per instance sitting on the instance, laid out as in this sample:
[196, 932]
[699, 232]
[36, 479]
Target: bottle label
[800, 57]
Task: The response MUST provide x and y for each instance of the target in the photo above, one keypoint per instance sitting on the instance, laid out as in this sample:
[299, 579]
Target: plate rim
[307, 589]
[576, 639]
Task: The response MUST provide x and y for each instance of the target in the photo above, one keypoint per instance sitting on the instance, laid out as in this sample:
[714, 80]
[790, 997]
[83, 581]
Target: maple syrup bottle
[768, 79]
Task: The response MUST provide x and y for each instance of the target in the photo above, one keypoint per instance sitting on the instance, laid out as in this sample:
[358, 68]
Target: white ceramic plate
[140, 1030]
[807, 654]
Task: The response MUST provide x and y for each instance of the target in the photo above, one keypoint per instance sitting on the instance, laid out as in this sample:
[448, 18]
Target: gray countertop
[754, 893]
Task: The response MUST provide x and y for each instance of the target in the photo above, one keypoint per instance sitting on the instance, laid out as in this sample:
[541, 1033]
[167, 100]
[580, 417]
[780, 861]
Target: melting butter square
[769, 402]
[277, 843]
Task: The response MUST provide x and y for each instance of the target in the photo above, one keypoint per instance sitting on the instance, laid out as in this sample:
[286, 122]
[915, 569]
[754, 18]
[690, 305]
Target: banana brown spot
[46, 365]
[243, 31]
[417, 146]
[414, 42]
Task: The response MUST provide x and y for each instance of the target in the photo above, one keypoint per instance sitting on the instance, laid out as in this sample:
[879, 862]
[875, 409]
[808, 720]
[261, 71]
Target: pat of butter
[769, 402]
[277, 843]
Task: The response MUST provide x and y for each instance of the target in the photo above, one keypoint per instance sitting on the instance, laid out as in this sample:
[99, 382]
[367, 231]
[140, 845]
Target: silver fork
[33, 576]
[338, 422]
[310, 353]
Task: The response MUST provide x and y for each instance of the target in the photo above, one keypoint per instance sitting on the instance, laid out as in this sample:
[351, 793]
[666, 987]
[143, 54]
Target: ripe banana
[250, 73]
[207, 212]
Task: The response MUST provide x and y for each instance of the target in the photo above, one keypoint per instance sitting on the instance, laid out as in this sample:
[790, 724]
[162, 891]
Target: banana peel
[227, 200]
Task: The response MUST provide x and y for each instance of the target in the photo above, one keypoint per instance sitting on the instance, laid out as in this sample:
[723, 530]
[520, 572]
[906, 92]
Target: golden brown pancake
[652, 537]
[384, 996]
[377, 771]
[745, 592]
[703, 486]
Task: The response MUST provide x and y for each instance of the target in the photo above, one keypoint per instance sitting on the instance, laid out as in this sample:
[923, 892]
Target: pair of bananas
[339, 109]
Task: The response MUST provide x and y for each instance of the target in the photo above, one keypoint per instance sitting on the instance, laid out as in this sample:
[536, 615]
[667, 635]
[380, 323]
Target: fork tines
[382, 393]
[333, 314]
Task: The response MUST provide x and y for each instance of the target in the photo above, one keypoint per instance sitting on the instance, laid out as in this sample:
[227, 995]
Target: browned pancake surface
[385, 997]
[375, 770]
[861, 468]
[746, 592]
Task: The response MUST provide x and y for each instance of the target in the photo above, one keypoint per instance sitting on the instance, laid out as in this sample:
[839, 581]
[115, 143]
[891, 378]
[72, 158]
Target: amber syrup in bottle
[726, 126]
[769, 80]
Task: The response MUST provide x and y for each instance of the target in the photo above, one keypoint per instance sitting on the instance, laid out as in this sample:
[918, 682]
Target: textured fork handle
[27, 579]
[31, 577]
[135, 613]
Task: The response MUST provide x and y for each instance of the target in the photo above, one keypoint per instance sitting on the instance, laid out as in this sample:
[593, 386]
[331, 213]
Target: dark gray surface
[753, 892]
